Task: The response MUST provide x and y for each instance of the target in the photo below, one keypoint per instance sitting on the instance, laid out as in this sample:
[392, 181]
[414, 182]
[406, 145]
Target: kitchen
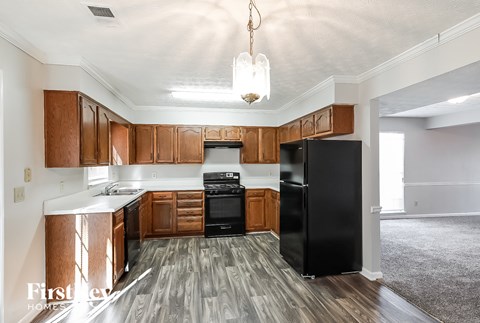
[24, 77]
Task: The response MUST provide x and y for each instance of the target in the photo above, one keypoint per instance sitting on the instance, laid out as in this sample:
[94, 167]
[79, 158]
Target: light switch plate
[19, 194]
[27, 175]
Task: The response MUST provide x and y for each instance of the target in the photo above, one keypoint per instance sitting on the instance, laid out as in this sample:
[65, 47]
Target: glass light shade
[251, 79]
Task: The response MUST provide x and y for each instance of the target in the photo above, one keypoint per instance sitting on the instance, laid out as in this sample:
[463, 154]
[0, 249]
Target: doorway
[2, 204]
[391, 164]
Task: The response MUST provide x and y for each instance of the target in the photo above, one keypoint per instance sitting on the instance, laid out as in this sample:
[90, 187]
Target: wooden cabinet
[76, 130]
[189, 145]
[163, 214]
[84, 245]
[165, 144]
[291, 131]
[120, 139]
[103, 137]
[273, 211]
[118, 245]
[308, 126]
[249, 151]
[268, 145]
[220, 133]
[260, 145]
[255, 210]
[323, 122]
[144, 144]
[145, 215]
[190, 219]
[88, 132]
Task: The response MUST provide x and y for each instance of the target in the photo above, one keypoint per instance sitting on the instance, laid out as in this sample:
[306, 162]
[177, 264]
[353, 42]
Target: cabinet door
[323, 121]
[255, 217]
[163, 217]
[269, 211]
[294, 131]
[308, 126]
[283, 133]
[119, 137]
[268, 145]
[213, 133]
[276, 218]
[103, 155]
[144, 144]
[118, 251]
[165, 144]
[88, 132]
[232, 133]
[189, 145]
[249, 151]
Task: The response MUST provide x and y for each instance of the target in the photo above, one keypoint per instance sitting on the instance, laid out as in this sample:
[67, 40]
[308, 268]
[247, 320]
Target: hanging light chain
[250, 26]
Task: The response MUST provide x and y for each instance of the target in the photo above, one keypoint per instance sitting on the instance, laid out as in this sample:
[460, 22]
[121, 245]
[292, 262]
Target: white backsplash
[216, 160]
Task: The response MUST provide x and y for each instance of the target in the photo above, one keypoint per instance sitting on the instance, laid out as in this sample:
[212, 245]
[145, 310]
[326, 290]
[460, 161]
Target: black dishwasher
[132, 234]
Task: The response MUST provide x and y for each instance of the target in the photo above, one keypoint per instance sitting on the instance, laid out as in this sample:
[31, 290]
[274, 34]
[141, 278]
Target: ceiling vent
[101, 12]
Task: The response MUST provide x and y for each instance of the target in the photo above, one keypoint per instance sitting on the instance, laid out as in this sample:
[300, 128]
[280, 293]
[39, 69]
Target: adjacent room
[429, 188]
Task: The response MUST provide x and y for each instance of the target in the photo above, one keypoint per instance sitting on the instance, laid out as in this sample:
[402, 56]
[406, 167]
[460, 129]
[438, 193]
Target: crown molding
[196, 109]
[429, 44]
[97, 75]
[21, 43]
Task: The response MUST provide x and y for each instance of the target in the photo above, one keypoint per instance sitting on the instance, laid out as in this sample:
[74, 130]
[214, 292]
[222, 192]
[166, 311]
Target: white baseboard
[432, 215]
[32, 313]
[371, 275]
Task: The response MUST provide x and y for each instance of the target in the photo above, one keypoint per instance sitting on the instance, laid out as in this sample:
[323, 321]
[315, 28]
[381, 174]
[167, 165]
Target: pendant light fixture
[251, 78]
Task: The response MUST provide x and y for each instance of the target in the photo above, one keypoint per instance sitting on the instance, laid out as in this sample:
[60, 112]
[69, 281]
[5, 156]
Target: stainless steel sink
[122, 191]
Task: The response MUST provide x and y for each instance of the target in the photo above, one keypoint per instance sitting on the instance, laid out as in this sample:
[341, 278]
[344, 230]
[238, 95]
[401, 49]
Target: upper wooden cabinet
[219, 133]
[189, 145]
[103, 137]
[260, 145]
[144, 144]
[291, 131]
[77, 130]
[337, 119]
[165, 144]
[120, 141]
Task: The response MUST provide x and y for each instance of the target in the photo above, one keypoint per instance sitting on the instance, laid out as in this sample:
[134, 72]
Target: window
[97, 175]
[391, 172]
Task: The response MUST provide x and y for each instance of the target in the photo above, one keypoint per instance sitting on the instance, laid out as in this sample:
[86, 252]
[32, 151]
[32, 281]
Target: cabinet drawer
[162, 195]
[255, 193]
[190, 223]
[190, 212]
[189, 203]
[118, 217]
[189, 195]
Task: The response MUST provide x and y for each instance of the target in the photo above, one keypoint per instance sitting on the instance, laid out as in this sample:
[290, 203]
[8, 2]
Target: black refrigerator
[321, 206]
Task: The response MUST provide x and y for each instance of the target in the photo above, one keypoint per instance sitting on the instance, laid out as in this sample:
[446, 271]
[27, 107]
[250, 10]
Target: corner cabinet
[262, 207]
[77, 130]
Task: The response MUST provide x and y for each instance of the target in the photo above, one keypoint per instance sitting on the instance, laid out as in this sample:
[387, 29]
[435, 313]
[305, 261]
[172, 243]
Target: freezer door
[292, 162]
[293, 224]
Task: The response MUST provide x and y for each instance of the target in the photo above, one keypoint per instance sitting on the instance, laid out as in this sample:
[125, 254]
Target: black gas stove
[224, 204]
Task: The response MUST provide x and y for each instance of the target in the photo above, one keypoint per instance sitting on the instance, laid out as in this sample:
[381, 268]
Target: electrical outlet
[27, 175]
[19, 194]
[61, 187]
[154, 175]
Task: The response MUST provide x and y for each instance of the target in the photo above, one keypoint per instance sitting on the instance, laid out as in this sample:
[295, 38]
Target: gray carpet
[435, 264]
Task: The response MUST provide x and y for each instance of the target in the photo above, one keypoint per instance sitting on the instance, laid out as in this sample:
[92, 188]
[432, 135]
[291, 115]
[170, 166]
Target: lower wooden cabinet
[145, 214]
[84, 245]
[175, 214]
[262, 210]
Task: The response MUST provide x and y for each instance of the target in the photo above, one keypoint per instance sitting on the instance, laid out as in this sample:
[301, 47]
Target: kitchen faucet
[109, 188]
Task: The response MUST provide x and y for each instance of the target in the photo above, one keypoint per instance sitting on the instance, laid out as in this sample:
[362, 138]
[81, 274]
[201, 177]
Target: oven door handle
[223, 195]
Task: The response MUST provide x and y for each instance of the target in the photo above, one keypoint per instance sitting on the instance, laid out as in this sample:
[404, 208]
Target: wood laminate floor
[237, 279]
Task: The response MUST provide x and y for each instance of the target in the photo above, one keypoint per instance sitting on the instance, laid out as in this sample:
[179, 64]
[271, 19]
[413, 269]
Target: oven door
[224, 209]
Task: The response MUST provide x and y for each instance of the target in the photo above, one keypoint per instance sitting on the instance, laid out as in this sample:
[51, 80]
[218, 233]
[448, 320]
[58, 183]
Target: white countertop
[87, 202]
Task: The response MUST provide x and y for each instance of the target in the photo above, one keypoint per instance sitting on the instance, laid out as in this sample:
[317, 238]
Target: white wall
[216, 160]
[2, 215]
[442, 172]
[23, 81]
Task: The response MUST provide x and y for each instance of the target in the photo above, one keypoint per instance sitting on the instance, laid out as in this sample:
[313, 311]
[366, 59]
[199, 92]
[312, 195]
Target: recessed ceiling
[430, 98]
[152, 48]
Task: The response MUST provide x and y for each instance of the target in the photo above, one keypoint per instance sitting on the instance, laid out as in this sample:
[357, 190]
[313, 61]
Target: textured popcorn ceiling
[154, 47]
